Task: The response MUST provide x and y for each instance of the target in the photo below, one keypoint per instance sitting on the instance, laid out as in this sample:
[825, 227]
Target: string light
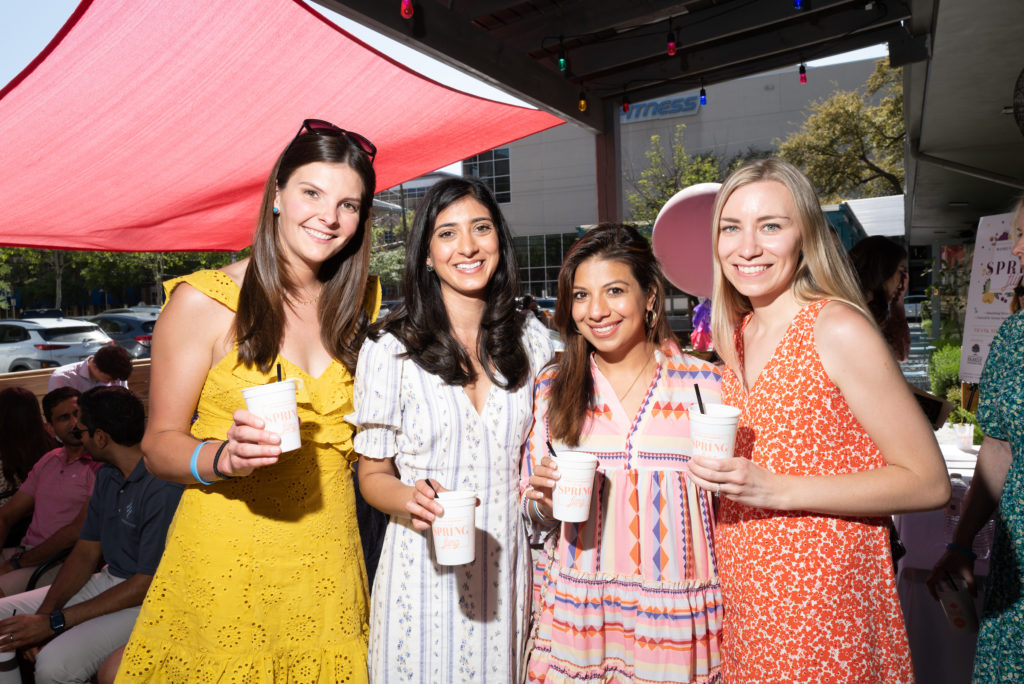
[582, 104]
[407, 9]
[803, 73]
[798, 5]
[670, 40]
[703, 96]
[563, 61]
[625, 104]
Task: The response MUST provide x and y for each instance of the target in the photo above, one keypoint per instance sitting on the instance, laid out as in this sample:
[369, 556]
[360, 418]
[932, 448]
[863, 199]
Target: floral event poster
[991, 296]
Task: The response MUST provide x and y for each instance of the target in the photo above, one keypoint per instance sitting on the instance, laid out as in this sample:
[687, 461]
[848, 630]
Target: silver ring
[719, 489]
[11, 637]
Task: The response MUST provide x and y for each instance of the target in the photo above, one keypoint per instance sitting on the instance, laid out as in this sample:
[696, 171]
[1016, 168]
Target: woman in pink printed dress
[830, 442]
[632, 594]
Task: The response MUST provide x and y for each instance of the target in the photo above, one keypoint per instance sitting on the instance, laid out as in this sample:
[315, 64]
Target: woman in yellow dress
[262, 578]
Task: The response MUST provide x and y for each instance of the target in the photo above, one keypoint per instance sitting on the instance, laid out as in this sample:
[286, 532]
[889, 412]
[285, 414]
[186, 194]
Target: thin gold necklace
[307, 302]
[639, 373]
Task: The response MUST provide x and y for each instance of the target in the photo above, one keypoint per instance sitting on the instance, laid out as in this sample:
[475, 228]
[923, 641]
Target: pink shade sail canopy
[152, 126]
[682, 238]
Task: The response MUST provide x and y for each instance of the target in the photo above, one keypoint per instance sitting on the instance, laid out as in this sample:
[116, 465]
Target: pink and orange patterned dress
[632, 594]
[809, 597]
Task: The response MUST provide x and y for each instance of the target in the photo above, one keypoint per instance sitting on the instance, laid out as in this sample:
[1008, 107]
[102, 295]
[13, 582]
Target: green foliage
[667, 175]
[851, 145]
[953, 281]
[46, 275]
[944, 369]
[389, 233]
[388, 265]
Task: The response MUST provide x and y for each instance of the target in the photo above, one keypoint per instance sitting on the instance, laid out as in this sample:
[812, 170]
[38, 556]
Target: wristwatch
[57, 621]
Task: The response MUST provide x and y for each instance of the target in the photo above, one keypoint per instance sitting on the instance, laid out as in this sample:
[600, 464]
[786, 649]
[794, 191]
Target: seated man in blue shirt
[70, 627]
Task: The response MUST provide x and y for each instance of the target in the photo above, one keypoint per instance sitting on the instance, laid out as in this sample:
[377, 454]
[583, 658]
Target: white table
[941, 653]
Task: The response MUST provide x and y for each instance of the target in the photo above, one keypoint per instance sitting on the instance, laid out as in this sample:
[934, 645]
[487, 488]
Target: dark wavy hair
[25, 438]
[572, 390]
[259, 323]
[876, 259]
[422, 323]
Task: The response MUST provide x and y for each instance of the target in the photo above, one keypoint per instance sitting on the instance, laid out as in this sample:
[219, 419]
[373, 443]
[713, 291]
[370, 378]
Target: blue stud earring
[277, 212]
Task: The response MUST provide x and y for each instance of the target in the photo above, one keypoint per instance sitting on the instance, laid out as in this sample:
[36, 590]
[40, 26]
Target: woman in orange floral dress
[830, 442]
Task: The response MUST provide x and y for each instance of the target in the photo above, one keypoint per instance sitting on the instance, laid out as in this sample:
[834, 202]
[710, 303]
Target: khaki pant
[16, 581]
[75, 655]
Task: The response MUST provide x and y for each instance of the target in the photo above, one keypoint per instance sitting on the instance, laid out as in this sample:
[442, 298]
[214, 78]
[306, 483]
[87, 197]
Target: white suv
[31, 343]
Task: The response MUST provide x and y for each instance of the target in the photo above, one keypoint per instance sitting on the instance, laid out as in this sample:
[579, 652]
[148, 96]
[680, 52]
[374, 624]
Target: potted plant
[963, 422]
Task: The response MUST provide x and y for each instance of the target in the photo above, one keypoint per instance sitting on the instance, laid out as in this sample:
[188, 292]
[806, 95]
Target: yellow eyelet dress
[262, 579]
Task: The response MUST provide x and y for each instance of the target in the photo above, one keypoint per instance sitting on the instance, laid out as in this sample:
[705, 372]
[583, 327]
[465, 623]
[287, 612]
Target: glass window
[492, 167]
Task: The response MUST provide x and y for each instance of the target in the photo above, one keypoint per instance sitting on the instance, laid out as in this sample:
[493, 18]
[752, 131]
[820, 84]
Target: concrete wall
[553, 173]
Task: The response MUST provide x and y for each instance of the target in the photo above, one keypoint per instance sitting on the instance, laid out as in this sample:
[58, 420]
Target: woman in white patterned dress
[443, 400]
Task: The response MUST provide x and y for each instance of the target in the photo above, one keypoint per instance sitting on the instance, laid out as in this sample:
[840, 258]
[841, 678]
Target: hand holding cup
[542, 482]
[423, 506]
[249, 445]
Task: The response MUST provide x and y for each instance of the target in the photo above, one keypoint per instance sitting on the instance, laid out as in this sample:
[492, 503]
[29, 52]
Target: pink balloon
[682, 238]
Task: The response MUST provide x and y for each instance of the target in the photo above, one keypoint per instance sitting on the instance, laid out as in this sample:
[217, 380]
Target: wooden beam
[712, 72]
[450, 37]
[607, 149]
[762, 33]
[586, 17]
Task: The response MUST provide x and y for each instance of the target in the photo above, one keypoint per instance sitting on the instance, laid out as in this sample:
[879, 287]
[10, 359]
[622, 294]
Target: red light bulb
[670, 45]
[407, 9]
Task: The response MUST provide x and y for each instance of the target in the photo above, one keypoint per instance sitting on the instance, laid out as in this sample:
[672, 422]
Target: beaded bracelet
[962, 549]
[540, 516]
[216, 460]
[195, 463]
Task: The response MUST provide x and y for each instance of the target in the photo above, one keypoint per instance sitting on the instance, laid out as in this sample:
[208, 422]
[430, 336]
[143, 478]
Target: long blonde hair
[823, 272]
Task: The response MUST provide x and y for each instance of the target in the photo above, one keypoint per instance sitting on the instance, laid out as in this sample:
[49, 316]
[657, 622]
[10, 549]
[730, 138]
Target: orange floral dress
[808, 597]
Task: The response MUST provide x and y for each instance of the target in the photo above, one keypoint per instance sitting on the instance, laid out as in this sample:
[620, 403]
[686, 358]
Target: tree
[389, 233]
[663, 178]
[851, 145]
[45, 275]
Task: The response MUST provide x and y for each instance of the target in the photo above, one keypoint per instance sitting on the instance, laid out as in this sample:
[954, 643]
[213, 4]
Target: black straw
[427, 480]
[279, 372]
[700, 402]
[551, 449]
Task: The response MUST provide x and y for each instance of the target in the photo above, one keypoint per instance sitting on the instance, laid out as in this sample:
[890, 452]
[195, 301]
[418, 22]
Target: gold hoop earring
[650, 318]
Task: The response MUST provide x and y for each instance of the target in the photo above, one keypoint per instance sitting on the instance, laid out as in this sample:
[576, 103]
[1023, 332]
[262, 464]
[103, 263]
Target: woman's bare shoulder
[236, 270]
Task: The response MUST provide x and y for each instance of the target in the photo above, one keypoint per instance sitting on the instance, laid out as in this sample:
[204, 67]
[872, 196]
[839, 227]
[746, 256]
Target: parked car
[912, 306]
[131, 330]
[137, 309]
[42, 313]
[33, 343]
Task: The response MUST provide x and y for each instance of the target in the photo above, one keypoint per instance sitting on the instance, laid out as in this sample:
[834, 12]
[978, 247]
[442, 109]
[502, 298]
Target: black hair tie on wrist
[216, 460]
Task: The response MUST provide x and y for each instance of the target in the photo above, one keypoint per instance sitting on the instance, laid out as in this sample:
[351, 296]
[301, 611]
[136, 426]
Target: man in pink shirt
[56, 493]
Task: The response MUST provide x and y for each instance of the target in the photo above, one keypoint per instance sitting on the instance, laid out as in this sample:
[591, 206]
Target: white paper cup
[713, 433]
[575, 486]
[275, 404]
[455, 531]
[959, 606]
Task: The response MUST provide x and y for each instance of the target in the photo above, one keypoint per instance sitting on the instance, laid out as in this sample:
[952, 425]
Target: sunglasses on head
[321, 127]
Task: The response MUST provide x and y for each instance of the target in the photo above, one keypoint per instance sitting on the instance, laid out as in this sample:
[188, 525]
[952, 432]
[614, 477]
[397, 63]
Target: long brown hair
[25, 438]
[823, 272]
[572, 390]
[259, 323]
